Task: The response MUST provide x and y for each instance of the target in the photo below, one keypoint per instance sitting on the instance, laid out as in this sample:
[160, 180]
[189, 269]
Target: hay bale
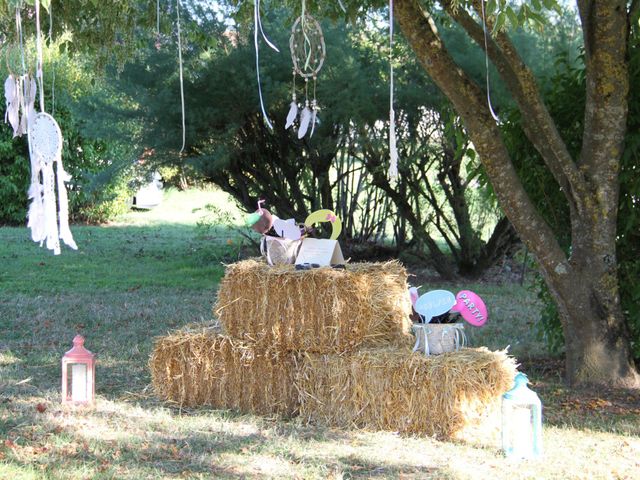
[320, 310]
[393, 389]
[195, 368]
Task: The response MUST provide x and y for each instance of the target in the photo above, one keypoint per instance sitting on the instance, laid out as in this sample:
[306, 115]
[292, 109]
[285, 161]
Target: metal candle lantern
[521, 421]
[78, 374]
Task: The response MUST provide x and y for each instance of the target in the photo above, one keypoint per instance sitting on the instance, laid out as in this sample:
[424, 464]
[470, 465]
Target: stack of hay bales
[333, 345]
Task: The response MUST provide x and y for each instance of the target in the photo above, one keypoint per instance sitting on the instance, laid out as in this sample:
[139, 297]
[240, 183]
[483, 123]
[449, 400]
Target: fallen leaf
[41, 407]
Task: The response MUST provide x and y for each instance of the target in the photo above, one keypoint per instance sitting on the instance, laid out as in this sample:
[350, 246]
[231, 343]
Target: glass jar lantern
[78, 374]
[521, 421]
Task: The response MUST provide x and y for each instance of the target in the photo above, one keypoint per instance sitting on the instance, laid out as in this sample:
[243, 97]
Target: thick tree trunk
[596, 336]
[585, 285]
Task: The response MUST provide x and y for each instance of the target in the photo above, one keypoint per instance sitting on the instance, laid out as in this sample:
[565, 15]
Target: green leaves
[534, 13]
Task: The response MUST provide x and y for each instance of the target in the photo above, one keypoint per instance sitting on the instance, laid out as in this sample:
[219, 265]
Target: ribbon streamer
[39, 53]
[53, 63]
[258, 27]
[393, 150]
[184, 129]
[486, 62]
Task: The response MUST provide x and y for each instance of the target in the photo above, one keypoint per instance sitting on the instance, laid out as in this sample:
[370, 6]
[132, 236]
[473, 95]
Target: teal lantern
[521, 421]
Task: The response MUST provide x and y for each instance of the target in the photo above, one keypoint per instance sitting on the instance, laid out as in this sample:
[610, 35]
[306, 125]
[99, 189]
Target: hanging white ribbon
[486, 62]
[258, 27]
[393, 150]
[184, 129]
[39, 53]
[53, 63]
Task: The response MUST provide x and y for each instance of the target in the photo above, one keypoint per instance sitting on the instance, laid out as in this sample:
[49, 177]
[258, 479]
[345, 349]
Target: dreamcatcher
[308, 53]
[19, 88]
[47, 219]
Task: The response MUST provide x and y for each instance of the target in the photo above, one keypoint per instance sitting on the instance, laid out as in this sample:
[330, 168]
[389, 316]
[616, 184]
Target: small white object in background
[149, 195]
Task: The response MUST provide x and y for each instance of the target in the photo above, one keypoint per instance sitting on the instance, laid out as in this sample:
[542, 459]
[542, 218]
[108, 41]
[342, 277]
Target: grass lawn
[151, 272]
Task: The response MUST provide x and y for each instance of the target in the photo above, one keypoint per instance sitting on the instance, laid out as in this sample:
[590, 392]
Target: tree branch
[468, 100]
[536, 120]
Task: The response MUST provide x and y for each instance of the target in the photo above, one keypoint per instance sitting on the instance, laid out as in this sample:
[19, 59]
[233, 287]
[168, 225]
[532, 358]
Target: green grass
[151, 272]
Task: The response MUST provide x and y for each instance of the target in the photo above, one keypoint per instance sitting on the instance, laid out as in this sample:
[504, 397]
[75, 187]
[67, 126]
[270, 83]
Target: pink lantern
[78, 374]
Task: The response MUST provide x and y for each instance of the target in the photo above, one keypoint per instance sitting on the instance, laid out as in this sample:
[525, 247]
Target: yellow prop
[320, 216]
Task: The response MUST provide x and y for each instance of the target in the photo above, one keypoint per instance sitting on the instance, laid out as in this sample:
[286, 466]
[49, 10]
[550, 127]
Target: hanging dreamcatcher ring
[307, 46]
[46, 137]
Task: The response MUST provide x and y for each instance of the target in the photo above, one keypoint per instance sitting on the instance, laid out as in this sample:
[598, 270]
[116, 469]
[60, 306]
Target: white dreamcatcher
[307, 53]
[48, 222]
[19, 89]
[47, 219]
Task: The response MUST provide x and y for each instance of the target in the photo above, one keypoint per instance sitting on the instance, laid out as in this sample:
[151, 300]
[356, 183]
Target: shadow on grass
[58, 451]
[356, 467]
[611, 410]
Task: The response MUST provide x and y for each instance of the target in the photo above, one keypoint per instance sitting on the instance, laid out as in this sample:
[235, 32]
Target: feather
[305, 118]
[291, 116]
[12, 95]
[313, 121]
[9, 89]
[31, 99]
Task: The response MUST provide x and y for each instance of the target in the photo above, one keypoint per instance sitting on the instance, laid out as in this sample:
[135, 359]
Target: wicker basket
[437, 338]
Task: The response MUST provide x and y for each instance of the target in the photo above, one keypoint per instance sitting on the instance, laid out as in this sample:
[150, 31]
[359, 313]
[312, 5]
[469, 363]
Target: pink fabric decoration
[413, 294]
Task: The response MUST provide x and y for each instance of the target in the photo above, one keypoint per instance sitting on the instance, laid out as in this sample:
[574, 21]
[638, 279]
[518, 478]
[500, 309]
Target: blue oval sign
[434, 303]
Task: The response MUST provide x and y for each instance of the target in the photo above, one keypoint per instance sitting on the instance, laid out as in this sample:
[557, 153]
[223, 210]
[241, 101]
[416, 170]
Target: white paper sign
[320, 251]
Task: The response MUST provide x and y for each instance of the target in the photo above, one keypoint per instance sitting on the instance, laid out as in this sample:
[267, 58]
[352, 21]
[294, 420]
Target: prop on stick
[261, 220]
[471, 307]
[321, 216]
[434, 303]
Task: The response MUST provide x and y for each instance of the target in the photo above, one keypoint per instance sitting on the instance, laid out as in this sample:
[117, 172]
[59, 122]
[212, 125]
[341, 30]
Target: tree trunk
[585, 285]
[596, 335]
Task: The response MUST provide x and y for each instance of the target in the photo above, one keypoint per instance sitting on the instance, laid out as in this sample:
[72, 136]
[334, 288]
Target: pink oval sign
[471, 307]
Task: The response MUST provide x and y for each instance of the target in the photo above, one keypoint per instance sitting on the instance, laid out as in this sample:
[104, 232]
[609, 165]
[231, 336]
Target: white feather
[291, 116]
[305, 118]
[313, 121]
[12, 95]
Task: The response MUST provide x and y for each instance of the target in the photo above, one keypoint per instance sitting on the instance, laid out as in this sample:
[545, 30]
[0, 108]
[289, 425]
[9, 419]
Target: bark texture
[584, 285]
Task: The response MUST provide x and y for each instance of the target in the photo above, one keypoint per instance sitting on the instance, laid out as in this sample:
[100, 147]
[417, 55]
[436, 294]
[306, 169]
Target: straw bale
[195, 368]
[394, 389]
[321, 310]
